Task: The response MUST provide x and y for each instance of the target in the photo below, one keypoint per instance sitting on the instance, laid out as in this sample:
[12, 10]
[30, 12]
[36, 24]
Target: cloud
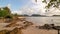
[38, 6]
[9, 5]
[18, 12]
[33, 1]
[53, 11]
[35, 8]
[27, 10]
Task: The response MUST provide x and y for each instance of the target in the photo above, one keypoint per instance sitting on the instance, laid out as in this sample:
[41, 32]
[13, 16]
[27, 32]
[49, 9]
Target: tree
[52, 3]
[3, 13]
[6, 11]
[35, 15]
[25, 15]
[15, 14]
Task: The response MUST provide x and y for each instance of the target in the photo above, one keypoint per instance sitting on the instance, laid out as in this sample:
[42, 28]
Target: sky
[15, 4]
[28, 7]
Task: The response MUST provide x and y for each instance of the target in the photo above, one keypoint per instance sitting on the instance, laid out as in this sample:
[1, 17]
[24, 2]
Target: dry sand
[33, 30]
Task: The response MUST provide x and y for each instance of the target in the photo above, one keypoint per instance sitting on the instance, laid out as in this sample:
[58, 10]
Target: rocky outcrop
[15, 26]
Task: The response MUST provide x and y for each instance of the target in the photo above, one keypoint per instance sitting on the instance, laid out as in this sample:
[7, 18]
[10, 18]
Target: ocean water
[44, 20]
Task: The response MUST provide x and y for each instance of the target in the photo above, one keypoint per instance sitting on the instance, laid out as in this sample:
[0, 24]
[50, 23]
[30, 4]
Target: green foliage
[6, 11]
[3, 13]
[9, 16]
[54, 3]
[15, 14]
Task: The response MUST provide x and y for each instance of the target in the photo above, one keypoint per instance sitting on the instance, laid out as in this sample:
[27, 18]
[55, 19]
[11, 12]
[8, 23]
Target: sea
[44, 20]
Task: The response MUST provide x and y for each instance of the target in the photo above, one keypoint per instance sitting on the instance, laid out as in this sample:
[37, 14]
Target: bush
[9, 16]
[6, 11]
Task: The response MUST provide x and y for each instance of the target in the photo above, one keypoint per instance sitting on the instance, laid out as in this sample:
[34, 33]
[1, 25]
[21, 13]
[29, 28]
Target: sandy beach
[33, 30]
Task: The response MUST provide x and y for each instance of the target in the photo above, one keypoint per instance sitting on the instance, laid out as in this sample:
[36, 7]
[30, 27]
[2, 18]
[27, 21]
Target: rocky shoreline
[15, 26]
[21, 26]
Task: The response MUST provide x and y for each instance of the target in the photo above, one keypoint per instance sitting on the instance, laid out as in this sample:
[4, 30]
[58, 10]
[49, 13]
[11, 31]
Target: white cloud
[18, 12]
[53, 11]
[34, 7]
[27, 10]
[9, 5]
[37, 8]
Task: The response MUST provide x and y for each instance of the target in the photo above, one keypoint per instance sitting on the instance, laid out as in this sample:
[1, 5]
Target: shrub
[9, 16]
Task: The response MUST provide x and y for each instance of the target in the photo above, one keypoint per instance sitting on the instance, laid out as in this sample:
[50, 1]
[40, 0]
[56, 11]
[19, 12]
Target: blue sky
[30, 5]
[15, 4]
